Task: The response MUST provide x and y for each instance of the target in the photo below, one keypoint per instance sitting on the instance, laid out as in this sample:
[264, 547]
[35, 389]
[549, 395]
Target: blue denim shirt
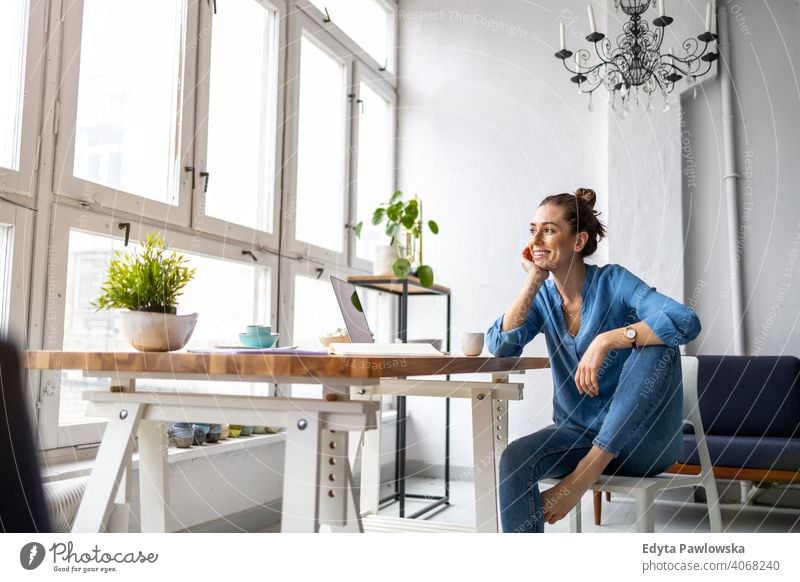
[613, 297]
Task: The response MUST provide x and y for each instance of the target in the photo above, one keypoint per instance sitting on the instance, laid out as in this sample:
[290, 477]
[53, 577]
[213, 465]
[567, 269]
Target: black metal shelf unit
[403, 288]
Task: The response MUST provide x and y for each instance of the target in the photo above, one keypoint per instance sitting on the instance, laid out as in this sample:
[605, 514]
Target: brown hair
[580, 215]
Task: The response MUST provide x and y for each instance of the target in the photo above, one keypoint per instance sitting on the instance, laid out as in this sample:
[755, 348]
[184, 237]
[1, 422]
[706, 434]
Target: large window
[250, 133]
[227, 295]
[242, 111]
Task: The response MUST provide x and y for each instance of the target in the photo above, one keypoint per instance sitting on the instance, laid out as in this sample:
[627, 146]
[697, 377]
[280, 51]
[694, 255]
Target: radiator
[63, 498]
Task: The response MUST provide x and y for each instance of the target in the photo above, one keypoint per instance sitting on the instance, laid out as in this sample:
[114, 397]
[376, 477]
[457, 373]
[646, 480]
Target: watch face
[630, 333]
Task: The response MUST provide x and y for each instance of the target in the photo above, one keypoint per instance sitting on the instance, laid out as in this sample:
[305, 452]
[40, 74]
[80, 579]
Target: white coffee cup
[472, 344]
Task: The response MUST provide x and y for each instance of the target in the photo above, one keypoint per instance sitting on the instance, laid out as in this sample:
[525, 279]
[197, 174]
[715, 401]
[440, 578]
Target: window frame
[363, 74]
[104, 197]
[210, 224]
[65, 218]
[300, 23]
[388, 70]
[24, 181]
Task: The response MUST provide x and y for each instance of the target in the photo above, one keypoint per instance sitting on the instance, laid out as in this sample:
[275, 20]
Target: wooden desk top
[274, 365]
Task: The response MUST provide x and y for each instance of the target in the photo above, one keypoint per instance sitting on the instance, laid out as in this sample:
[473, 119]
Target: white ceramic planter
[157, 332]
[385, 256]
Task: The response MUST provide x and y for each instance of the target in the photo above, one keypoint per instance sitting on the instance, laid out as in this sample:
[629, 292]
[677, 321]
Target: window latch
[327, 15]
[126, 226]
[190, 169]
[251, 254]
[205, 175]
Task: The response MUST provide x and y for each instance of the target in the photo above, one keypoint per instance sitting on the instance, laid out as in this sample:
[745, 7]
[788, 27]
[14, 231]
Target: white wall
[765, 68]
[489, 124]
[644, 169]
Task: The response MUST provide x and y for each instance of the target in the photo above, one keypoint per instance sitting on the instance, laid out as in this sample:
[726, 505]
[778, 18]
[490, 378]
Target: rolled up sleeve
[674, 323]
[510, 343]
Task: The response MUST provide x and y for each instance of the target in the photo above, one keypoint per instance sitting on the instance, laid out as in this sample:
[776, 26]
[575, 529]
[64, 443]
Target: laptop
[352, 311]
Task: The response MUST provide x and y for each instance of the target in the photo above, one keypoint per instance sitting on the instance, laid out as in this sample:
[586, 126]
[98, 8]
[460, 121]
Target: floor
[676, 513]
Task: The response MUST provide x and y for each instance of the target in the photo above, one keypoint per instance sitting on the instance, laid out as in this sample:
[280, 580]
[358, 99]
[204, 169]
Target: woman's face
[552, 245]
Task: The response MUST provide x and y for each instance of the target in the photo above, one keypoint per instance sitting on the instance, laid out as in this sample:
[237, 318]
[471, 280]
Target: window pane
[13, 29]
[6, 264]
[365, 21]
[316, 313]
[227, 295]
[241, 125]
[127, 135]
[321, 144]
[374, 178]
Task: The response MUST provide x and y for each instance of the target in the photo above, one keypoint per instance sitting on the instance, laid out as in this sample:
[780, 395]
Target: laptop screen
[353, 313]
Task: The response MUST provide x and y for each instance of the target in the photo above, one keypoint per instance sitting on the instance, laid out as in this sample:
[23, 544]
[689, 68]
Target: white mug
[472, 344]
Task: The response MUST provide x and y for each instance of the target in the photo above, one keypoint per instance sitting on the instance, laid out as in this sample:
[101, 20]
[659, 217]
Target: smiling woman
[591, 317]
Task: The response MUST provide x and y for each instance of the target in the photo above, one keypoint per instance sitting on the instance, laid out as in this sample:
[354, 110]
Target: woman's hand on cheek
[587, 377]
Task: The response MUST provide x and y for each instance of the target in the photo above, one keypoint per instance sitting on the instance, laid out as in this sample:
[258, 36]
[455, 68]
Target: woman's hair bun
[587, 195]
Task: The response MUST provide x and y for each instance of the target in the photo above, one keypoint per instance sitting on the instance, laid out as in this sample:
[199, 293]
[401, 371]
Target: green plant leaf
[377, 216]
[148, 280]
[433, 226]
[357, 228]
[394, 211]
[395, 197]
[401, 268]
[425, 274]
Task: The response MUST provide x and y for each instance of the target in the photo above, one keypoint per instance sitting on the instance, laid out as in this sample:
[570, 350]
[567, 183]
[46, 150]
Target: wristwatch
[630, 334]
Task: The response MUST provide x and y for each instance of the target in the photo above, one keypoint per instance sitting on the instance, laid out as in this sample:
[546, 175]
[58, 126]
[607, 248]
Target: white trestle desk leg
[153, 476]
[300, 512]
[112, 458]
[338, 505]
[370, 466]
[490, 436]
[119, 519]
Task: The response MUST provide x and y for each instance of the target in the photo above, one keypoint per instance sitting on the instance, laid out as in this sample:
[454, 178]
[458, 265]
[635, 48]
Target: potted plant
[404, 224]
[148, 284]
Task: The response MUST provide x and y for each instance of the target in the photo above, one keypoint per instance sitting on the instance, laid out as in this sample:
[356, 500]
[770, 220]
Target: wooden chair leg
[598, 506]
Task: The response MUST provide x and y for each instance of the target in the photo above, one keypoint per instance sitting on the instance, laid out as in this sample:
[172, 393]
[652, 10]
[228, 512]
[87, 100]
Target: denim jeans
[642, 429]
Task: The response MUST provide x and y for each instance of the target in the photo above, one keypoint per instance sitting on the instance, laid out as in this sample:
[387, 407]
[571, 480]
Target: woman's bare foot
[559, 500]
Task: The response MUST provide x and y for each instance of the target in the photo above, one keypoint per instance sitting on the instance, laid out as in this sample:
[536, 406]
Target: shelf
[395, 285]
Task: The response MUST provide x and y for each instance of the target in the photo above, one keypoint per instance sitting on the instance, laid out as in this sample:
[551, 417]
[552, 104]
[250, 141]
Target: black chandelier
[637, 62]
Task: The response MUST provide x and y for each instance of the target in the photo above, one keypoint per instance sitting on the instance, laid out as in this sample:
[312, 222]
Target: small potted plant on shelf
[147, 284]
[404, 224]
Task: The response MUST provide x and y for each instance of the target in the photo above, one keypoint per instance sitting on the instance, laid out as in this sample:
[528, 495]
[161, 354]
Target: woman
[612, 341]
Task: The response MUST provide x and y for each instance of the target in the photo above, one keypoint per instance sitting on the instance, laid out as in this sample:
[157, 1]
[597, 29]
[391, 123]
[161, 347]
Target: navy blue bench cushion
[750, 396]
[751, 452]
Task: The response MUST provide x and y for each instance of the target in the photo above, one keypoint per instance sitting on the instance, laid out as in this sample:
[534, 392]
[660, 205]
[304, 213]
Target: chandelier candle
[563, 37]
[662, 9]
[592, 23]
[708, 16]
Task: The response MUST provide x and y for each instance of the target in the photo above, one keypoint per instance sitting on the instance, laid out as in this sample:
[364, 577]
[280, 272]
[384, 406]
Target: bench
[750, 406]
